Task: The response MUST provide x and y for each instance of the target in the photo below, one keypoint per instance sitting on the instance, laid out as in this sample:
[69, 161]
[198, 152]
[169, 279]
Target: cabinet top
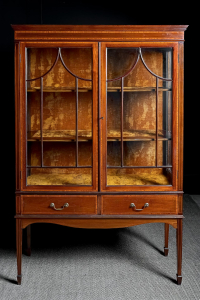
[100, 32]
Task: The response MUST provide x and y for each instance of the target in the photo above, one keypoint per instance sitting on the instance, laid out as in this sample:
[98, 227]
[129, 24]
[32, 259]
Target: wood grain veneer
[41, 204]
[99, 32]
[165, 204]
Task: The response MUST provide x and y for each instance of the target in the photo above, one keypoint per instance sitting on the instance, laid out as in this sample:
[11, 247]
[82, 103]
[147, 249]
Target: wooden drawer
[157, 204]
[76, 204]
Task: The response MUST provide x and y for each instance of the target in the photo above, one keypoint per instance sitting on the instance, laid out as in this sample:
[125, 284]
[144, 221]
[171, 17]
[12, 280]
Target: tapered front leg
[166, 247]
[19, 249]
[179, 232]
[28, 239]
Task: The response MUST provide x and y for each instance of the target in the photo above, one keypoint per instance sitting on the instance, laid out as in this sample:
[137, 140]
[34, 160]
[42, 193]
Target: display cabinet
[99, 127]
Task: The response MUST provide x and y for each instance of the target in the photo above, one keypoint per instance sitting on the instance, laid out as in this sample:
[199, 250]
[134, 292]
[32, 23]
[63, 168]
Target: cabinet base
[24, 221]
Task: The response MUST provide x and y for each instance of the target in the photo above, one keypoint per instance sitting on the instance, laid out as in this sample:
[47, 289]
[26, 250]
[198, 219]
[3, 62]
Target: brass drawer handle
[132, 205]
[52, 205]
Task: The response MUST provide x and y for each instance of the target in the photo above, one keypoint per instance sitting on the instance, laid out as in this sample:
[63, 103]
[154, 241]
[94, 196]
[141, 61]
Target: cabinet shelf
[138, 135]
[87, 89]
[137, 89]
[59, 136]
[59, 89]
[84, 136]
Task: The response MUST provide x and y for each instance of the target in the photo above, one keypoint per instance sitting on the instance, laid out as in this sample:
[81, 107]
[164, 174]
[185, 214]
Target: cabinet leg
[19, 249]
[28, 237]
[179, 231]
[166, 249]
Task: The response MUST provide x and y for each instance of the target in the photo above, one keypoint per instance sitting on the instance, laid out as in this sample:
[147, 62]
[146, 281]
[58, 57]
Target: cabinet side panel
[181, 114]
[180, 204]
[17, 115]
[18, 204]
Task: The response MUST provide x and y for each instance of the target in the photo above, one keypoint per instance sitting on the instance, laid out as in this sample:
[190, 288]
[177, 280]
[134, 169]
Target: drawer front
[68, 204]
[135, 204]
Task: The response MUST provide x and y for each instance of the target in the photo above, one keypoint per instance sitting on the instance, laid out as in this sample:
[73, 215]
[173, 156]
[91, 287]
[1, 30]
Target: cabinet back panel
[59, 111]
[60, 154]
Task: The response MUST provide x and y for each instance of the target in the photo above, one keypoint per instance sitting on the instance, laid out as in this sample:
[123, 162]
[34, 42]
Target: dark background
[93, 12]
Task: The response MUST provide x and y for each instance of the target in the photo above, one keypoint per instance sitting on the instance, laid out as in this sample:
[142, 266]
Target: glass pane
[39, 61]
[59, 116]
[165, 153]
[85, 125]
[159, 61]
[33, 113]
[114, 113]
[61, 176]
[139, 117]
[59, 128]
[138, 176]
[165, 124]
[119, 62]
[77, 60]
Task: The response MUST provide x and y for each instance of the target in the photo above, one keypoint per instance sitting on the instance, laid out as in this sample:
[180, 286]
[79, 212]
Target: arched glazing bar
[134, 65]
[122, 100]
[59, 55]
[127, 73]
[159, 77]
[63, 63]
[55, 62]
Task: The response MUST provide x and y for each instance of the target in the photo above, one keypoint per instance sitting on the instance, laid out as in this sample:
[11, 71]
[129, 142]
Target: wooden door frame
[20, 101]
[103, 128]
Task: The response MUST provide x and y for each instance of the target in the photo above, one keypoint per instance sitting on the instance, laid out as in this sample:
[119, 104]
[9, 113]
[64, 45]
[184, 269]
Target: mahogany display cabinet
[99, 127]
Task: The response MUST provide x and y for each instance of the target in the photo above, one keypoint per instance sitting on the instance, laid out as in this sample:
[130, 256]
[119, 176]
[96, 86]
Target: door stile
[122, 121]
[180, 113]
[95, 77]
[17, 117]
[99, 116]
[175, 118]
[103, 122]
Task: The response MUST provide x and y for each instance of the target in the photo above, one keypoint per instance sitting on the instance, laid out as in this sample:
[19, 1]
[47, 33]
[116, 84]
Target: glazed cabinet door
[139, 109]
[60, 150]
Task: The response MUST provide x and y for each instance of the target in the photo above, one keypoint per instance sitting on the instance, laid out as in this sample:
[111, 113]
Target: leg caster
[166, 249]
[19, 279]
[179, 279]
